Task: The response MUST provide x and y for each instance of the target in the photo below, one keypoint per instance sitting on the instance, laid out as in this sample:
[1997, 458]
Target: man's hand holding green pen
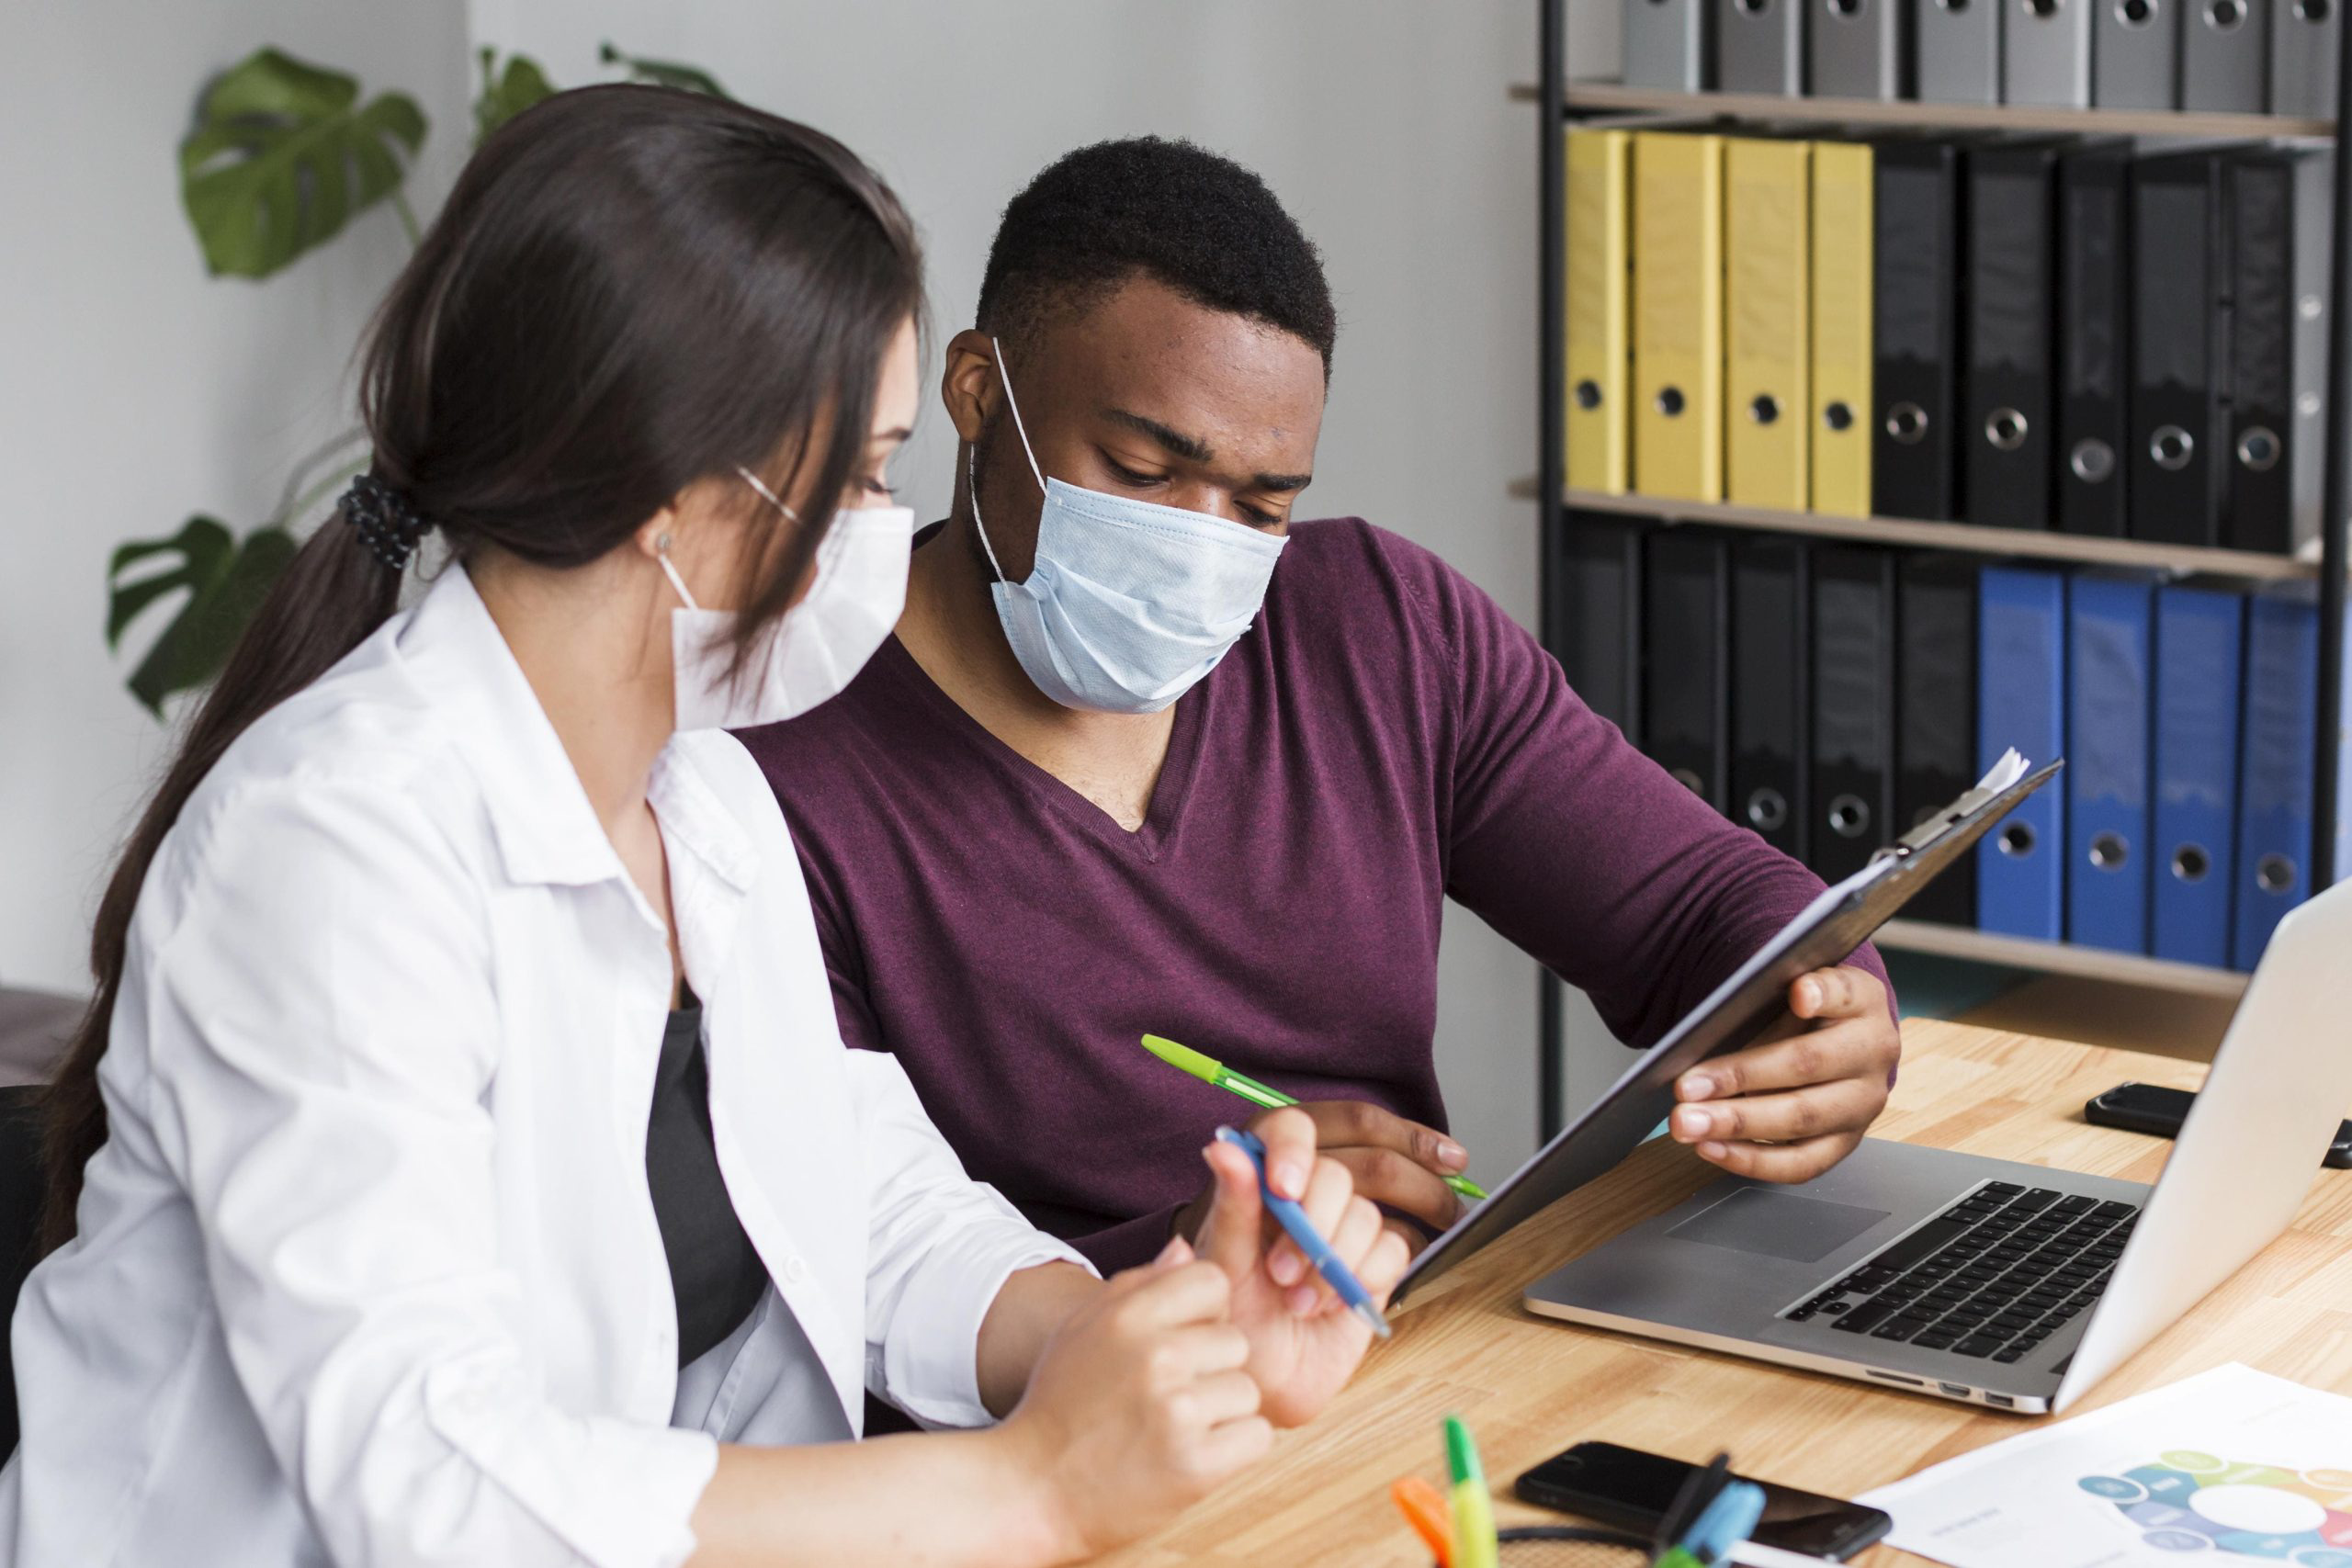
[1209, 1070]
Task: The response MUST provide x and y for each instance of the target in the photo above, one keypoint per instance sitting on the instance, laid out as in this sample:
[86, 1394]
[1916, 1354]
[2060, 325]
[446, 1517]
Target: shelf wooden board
[1617, 97]
[1974, 538]
[2059, 958]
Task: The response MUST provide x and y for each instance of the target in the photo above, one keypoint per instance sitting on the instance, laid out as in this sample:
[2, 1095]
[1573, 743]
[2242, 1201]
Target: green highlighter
[1209, 1070]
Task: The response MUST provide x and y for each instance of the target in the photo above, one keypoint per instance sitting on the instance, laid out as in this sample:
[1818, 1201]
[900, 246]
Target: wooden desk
[1530, 1387]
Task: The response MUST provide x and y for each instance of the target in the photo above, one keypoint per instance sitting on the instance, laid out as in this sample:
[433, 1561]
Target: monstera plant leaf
[225, 581]
[662, 73]
[282, 154]
[505, 93]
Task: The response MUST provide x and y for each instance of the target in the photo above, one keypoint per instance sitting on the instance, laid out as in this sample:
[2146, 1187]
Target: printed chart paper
[2229, 1469]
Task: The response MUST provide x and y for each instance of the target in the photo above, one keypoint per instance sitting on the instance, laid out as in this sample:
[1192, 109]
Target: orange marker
[1425, 1509]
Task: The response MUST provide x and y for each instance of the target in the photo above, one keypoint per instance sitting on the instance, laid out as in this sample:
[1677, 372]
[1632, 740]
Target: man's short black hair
[1201, 224]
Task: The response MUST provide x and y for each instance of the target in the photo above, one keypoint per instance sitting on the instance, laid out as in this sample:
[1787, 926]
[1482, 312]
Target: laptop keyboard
[1993, 1276]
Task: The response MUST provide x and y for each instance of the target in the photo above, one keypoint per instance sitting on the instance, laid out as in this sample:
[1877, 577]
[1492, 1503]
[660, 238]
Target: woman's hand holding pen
[1395, 1163]
[1168, 1379]
[1139, 1405]
[1304, 1342]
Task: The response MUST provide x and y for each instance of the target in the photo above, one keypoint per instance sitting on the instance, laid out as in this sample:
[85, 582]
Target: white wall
[135, 391]
[149, 391]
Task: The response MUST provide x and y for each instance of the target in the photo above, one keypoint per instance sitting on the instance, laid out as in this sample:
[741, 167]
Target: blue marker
[1728, 1520]
[1301, 1231]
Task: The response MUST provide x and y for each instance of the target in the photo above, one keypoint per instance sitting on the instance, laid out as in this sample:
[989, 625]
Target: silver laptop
[2008, 1285]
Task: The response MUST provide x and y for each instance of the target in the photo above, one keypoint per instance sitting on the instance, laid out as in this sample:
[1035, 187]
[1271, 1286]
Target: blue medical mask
[1129, 603]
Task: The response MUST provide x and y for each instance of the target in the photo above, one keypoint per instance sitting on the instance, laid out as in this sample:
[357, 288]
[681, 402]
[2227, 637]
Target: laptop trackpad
[1778, 1224]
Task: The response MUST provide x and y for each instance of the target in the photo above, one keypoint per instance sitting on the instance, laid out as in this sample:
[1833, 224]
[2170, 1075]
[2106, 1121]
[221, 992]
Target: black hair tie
[389, 523]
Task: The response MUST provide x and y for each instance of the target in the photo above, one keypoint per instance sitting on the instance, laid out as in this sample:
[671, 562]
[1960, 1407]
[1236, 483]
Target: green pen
[1209, 1070]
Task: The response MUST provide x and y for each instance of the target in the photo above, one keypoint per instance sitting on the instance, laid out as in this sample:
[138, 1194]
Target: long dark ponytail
[628, 290]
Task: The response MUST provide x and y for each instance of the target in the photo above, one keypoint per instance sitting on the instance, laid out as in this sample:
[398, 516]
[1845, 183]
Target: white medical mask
[1129, 603]
[824, 641]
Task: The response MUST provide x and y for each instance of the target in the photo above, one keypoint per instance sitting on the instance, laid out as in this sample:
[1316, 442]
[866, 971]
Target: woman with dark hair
[416, 1192]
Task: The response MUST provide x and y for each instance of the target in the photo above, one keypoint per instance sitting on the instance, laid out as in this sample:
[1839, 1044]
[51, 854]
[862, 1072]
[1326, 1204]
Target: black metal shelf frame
[1551, 462]
[1552, 97]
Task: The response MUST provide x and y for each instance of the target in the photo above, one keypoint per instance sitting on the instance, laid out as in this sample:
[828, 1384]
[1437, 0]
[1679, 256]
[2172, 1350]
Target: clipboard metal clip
[1998, 781]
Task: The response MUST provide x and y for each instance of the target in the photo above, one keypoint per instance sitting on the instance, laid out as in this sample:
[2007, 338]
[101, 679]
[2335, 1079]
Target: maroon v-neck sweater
[1384, 736]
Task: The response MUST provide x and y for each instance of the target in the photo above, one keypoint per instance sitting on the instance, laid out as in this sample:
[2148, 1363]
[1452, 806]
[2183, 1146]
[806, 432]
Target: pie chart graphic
[2185, 1502]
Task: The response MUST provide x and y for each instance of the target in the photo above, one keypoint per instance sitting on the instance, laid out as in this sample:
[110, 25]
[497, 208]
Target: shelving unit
[2059, 958]
[1974, 538]
[1611, 98]
[1560, 100]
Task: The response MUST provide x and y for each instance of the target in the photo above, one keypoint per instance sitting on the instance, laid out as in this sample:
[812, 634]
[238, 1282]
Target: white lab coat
[367, 1272]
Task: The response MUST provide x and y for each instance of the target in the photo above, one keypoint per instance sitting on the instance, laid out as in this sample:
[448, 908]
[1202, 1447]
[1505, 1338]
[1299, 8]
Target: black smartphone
[2145, 1108]
[1633, 1490]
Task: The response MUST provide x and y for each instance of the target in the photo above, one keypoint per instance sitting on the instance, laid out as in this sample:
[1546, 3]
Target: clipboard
[1823, 935]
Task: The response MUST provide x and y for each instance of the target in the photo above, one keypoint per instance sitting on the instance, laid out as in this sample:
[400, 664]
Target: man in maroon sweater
[1013, 886]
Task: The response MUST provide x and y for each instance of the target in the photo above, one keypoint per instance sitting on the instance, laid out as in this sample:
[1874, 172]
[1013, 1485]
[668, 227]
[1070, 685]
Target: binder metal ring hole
[2224, 16]
[1764, 409]
[1754, 7]
[2258, 449]
[2093, 460]
[1846, 10]
[1768, 810]
[2006, 429]
[2108, 852]
[1850, 816]
[1907, 423]
[2275, 873]
[2042, 10]
[1587, 395]
[1952, 7]
[2135, 13]
[2172, 447]
[1839, 415]
[1669, 400]
[2190, 864]
[2017, 841]
[2313, 11]
[1692, 781]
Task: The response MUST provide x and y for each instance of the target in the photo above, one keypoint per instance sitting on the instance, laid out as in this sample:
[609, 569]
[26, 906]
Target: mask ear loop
[972, 489]
[661, 557]
[828, 550]
[971, 470]
[766, 494]
[1019, 429]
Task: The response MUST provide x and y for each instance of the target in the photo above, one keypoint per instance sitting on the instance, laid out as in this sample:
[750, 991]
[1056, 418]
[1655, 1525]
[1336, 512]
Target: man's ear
[969, 383]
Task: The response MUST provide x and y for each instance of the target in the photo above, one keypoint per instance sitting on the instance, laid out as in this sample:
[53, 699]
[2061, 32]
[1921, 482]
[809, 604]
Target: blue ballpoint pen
[1301, 1231]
